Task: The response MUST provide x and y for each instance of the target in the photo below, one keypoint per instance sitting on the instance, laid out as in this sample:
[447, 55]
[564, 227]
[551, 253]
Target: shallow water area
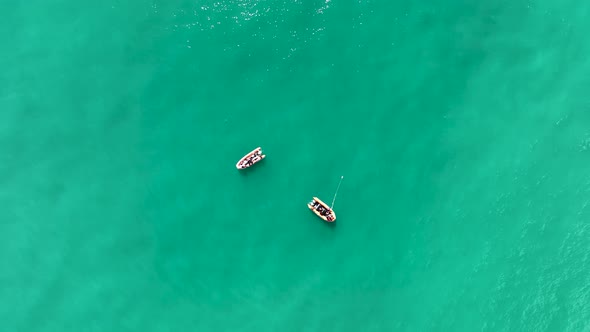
[461, 130]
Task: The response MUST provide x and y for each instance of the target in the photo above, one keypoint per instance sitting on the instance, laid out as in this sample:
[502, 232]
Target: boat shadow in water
[253, 169]
[330, 225]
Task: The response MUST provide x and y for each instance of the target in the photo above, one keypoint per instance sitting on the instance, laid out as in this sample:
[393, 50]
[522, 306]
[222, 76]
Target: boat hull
[241, 164]
[329, 217]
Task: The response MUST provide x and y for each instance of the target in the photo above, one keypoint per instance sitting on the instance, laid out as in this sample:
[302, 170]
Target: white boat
[322, 210]
[250, 159]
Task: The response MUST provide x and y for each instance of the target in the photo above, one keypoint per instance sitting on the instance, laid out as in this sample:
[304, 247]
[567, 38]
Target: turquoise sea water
[462, 130]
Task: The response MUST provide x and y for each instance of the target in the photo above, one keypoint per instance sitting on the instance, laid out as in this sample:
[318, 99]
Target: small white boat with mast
[321, 209]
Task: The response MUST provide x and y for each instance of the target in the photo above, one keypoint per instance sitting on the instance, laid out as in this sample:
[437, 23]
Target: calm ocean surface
[462, 129]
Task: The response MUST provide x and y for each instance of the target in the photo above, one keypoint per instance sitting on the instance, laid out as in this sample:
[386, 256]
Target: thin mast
[336, 193]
